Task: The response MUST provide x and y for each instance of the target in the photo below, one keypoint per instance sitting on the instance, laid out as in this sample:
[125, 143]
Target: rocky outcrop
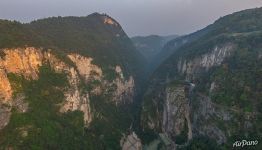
[131, 142]
[85, 67]
[176, 114]
[5, 87]
[208, 117]
[201, 117]
[189, 117]
[109, 21]
[189, 114]
[204, 62]
[124, 92]
[75, 98]
[26, 62]
[152, 109]
[18, 61]
[23, 61]
[5, 114]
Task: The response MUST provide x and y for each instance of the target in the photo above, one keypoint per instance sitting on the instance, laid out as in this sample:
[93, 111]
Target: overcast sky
[137, 17]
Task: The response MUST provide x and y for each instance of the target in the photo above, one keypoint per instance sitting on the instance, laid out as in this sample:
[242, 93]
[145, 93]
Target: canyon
[81, 82]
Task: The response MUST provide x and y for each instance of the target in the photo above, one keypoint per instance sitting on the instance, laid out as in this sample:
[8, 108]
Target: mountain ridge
[151, 45]
[201, 89]
[80, 82]
[62, 79]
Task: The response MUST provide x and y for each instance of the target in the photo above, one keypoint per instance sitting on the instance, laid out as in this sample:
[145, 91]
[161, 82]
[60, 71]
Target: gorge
[82, 83]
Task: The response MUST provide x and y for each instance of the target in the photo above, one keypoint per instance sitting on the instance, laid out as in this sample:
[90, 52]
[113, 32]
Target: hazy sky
[137, 17]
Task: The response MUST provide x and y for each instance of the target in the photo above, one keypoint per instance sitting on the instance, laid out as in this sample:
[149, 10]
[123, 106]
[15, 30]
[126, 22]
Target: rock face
[181, 114]
[189, 115]
[223, 64]
[176, 114]
[85, 68]
[205, 109]
[124, 90]
[77, 73]
[205, 112]
[184, 112]
[5, 113]
[205, 61]
[110, 21]
[26, 62]
[191, 107]
[5, 87]
[131, 142]
[23, 62]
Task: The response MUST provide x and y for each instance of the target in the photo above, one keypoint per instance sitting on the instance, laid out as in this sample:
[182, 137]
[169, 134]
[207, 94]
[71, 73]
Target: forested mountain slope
[66, 83]
[210, 87]
[151, 45]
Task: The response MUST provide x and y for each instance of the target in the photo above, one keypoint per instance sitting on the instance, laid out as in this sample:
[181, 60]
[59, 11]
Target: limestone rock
[205, 61]
[86, 68]
[131, 142]
[26, 62]
[5, 87]
[110, 21]
[124, 92]
[176, 115]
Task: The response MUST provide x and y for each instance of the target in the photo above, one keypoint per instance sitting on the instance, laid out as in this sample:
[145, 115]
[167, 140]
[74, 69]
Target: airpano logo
[244, 143]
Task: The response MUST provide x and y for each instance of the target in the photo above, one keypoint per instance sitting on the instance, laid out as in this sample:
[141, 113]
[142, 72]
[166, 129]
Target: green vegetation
[150, 46]
[176, 83]
[2, 54]
[110, 74]
[147, 136]
[242, 28]
[201, 143]
[152, 107]
[17, 83]
[240, 77]
[12, 34]
[110, 121]
[182, 137]
[237, 80]
[42, 126]
[88, 36]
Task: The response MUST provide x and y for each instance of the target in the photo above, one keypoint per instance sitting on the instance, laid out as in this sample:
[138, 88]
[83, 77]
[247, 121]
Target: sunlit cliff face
[85, 67]
[5, 87]
[27, 61]
[19, 62]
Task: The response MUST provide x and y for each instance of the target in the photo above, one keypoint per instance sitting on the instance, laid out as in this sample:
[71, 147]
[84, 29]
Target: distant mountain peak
[151, 45]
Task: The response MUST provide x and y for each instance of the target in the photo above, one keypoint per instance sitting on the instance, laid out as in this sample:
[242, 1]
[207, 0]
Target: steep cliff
[67, 81]
[26, 62]
[209, 87]
[176, 113]
[131, 142]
